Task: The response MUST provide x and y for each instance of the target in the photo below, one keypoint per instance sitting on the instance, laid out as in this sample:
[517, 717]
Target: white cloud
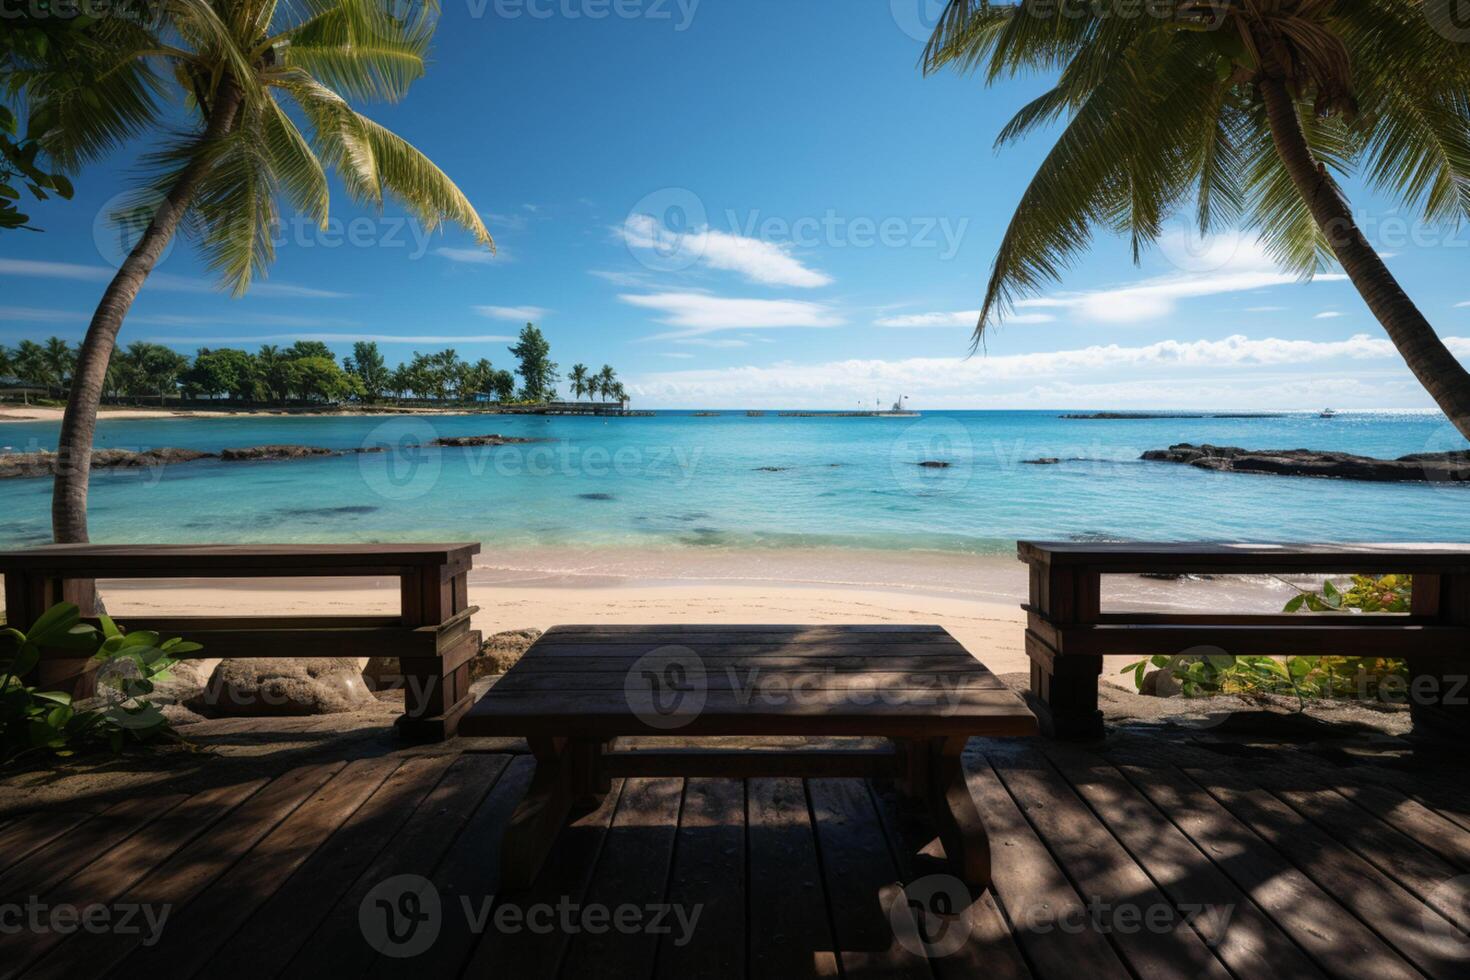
[678, 354]
[237, 320]
[162, 281]
[472, 256]
[1226, 264]
[718, 343]
[700, 313]
[960, 318]
[1327, 315]
[34, 314]
[630, 279]
[1265, 309]
[524, 314]
[1461, 306]
[1236, 363]
[759, 261]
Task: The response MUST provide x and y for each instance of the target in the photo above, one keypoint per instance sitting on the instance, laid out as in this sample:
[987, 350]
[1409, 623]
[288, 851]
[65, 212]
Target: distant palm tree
[31, 363]
[578, 378]
[1241, 110]
[607, 380]
[7, 365]
[236, 61]
[60, 361]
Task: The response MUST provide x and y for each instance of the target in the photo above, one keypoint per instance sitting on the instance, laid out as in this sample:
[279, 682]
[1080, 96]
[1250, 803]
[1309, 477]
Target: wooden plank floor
[1129, 860]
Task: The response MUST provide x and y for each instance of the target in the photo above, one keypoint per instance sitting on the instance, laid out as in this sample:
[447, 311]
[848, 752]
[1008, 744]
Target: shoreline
[47, 413]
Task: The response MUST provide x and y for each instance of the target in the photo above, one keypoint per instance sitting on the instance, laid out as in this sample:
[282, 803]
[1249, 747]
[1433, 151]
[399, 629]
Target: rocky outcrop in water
[459, 442]
[1415, 468]
[18, 465]
[253, 453]
[1126, 416]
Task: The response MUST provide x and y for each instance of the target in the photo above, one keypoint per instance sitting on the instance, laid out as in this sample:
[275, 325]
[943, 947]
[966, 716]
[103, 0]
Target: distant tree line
[306, 371]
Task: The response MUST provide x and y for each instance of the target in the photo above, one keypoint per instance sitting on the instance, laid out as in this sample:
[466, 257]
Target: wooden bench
[1068, 633]
[431, 633]
[583, 695]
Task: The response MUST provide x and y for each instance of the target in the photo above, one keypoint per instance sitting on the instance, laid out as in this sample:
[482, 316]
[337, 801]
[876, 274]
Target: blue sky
[753, 204]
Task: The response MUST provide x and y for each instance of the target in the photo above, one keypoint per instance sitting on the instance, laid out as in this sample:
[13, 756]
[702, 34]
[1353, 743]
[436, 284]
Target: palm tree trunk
[79, 423]
[1446, 380]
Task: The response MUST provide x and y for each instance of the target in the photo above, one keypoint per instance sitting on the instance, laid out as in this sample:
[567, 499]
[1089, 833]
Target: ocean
[676, 482]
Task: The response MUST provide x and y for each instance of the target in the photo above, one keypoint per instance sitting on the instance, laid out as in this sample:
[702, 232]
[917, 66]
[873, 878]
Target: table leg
[966, 843]
[566, 779]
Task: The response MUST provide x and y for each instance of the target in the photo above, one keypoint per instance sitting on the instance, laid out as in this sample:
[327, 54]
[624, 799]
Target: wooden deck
[1311, 859]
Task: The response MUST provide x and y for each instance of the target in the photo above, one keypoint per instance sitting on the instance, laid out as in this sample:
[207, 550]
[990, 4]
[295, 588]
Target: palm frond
[360, 48]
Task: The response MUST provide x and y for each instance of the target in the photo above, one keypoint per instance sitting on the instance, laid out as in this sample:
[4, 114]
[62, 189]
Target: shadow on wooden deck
[298, 850]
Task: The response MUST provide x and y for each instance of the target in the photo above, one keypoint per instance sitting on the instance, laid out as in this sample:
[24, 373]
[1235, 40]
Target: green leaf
[109, 628]
[58, 619]
[1294, 604]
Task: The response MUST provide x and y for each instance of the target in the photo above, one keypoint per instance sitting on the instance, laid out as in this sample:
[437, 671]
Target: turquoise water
[680, 482]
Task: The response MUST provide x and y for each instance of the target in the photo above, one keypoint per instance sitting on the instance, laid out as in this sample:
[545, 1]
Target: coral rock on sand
[260, 688]
[497, 655]
[500, 652]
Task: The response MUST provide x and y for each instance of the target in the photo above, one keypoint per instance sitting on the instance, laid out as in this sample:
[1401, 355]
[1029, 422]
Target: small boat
[1327, 413]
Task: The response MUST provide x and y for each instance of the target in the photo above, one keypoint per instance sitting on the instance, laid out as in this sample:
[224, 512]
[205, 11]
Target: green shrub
[37, 721]
[1321, 676]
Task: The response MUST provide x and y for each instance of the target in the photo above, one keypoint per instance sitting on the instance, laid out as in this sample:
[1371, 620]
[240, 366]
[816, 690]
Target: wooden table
[430, 634]
[580, 689]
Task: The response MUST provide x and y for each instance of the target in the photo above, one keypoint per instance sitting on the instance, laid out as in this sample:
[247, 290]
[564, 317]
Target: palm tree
[31, 363]
[237, 62]
[7, 365]
[578, 378]
[1242, 110]
[607, 380]
[60, 361]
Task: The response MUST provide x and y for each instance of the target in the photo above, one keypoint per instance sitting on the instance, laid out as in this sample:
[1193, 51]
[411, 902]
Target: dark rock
[20, 465]
[1453, 467]
[1043, 461]
[1127, 416]
[456, 442]
[114, 458]
[596, 496]
[252, 453]
[934, 464]
[772, 469]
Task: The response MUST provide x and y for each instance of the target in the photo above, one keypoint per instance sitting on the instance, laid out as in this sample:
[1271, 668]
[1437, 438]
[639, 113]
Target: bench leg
[1065, 692]
[567, 779]
[961, 830]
